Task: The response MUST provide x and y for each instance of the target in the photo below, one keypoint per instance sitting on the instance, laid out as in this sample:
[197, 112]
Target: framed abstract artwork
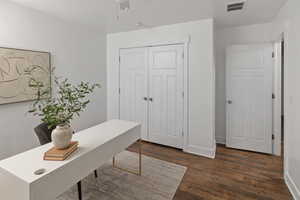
[21, 71]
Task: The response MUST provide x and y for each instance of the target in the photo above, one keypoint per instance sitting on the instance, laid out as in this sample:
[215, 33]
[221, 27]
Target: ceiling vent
[235, 6]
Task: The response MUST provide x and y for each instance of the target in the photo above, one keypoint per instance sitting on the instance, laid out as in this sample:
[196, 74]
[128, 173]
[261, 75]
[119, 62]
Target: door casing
[277, 102]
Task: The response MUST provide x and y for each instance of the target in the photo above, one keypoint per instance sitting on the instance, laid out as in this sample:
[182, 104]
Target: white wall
[259, 33]
[77, 53]
[201, 75]
[288, 21]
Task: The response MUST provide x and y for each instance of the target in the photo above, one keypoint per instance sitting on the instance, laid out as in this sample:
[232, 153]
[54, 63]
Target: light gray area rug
[159, 181]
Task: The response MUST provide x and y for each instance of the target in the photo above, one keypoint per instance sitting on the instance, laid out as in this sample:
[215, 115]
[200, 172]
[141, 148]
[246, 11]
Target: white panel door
[166, 95]
[249, 97]
[133, 86]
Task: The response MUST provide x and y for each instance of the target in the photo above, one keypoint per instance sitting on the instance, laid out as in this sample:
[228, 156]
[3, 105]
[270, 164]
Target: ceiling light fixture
[123, 6]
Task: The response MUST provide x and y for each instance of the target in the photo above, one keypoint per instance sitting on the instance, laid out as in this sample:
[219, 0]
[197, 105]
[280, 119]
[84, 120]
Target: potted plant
[58, 111]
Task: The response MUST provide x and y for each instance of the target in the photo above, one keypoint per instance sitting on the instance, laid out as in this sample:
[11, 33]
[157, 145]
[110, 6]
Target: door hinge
[182, 133]
[182, 55]
[273, 137]
[182, 94]
[273, 96]
[119, 90]
[119, 59]
[273, 54]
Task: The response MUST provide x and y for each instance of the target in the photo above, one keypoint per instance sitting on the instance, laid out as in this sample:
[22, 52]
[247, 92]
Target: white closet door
[133, 86]
[249, 97]
[166, 95]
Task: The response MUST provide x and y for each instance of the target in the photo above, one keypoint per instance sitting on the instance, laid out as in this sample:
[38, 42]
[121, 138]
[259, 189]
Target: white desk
[96, 146]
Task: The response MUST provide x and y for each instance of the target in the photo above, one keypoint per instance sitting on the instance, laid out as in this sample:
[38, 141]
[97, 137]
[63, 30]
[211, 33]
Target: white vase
[62, 136]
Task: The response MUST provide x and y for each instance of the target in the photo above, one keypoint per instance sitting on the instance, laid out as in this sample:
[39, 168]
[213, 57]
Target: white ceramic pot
[62, 136]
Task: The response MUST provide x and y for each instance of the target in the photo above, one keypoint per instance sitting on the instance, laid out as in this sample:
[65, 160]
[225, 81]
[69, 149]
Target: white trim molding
[277, 91]
[221, 140]
[292, 186]
[206, 152]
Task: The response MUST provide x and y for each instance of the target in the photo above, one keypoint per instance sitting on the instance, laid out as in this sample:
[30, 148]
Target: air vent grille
[235, 6]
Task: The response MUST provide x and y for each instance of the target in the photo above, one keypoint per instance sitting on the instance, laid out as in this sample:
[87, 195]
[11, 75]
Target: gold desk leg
[139, 172]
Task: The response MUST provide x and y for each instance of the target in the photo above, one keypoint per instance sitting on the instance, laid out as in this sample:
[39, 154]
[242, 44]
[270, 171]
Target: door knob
[145, 98]
[229, 102]
[151, 99]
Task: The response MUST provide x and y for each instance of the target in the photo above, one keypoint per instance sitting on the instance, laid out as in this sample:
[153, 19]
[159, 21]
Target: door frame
[185, 42]
[277, 101]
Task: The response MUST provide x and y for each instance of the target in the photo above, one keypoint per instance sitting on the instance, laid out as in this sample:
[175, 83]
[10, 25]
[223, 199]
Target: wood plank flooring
[234, 174]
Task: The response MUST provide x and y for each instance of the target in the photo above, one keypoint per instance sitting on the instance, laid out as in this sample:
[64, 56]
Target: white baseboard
[220, 140]
[292, 186]
[206, 152]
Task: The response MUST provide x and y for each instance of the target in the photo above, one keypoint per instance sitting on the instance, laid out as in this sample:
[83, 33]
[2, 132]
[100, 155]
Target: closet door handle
[151, 99]
[145, 98]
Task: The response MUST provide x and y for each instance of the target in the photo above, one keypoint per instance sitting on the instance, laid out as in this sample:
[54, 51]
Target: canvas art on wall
[20, 71]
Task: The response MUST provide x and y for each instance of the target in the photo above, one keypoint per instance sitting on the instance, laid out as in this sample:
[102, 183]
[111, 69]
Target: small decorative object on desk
[59, 110]
[61, 136]
[55, 154]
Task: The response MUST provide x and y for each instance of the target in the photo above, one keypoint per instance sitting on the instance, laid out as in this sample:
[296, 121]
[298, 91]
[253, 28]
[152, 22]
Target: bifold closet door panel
[133, 86]
[166, 106]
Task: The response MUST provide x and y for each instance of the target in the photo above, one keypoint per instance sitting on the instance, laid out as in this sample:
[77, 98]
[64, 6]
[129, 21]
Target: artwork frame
[18, 67]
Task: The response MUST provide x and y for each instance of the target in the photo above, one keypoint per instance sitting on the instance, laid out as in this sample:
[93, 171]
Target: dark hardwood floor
[233, 174]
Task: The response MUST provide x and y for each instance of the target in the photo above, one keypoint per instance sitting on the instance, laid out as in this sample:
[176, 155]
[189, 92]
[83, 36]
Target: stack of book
[60, 154]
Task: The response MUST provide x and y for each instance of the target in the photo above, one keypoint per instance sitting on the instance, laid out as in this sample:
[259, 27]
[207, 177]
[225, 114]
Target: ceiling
[102, 14]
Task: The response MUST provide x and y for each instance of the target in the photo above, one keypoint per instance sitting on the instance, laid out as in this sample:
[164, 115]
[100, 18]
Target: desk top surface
[24, 165]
